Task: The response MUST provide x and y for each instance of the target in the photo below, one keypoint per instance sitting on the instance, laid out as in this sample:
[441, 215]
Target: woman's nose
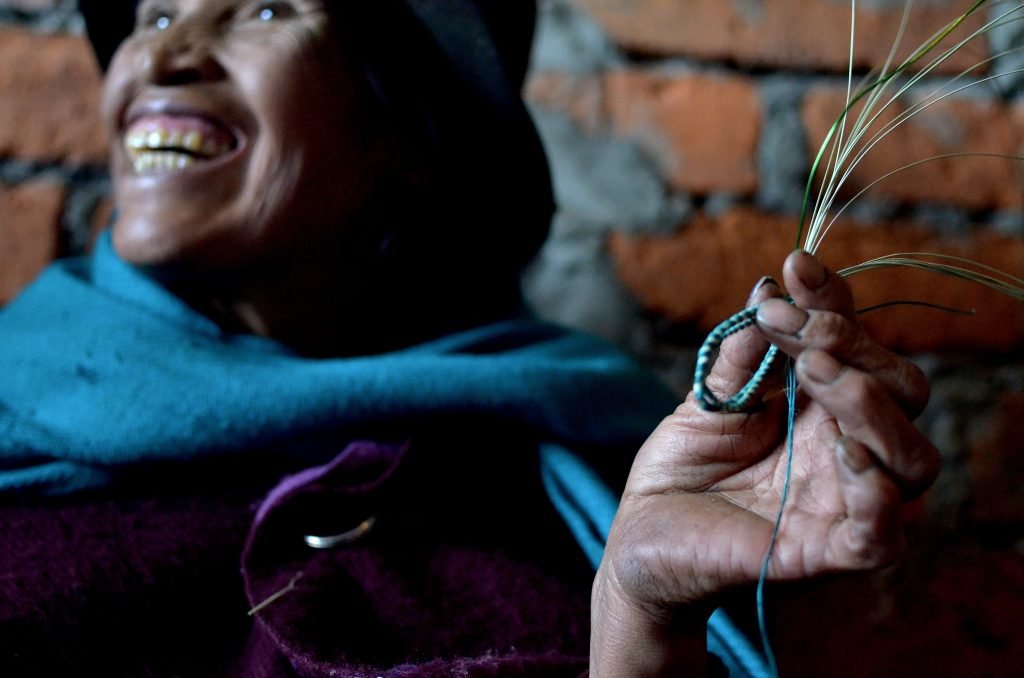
[183, 54]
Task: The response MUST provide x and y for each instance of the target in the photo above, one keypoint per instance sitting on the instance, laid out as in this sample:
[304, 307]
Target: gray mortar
[782, 150]
[568, 40]
[64, 17]
[1005, 37]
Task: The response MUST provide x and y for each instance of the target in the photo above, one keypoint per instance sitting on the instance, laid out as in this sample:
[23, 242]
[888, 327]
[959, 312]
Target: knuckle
[863, 390]
[834, 333]
[872, 546]
[864, 552]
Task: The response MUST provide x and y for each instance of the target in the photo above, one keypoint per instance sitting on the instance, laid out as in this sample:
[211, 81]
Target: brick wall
[52, 146]
[681, 132]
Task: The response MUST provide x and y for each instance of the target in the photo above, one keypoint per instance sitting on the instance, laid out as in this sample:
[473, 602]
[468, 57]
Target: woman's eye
[270, 11]
[154, 18]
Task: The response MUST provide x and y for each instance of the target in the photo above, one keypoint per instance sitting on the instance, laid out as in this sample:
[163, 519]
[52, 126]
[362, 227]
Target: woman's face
[238, 134]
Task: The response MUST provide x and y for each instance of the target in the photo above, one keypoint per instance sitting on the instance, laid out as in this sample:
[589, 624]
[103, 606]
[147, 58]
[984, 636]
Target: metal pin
[349, 537]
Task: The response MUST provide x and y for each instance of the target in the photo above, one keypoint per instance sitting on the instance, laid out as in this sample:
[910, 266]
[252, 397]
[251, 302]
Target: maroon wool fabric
[468, 571]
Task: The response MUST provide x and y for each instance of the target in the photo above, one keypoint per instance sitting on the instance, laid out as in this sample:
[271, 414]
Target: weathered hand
[700, 503]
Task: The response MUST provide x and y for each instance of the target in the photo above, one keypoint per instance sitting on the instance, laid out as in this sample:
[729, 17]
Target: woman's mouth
[161, 143]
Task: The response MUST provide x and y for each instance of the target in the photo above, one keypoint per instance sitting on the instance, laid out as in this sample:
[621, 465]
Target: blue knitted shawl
[103, 368]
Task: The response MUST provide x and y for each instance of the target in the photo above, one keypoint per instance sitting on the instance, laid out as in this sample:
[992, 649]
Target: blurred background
[681, 133]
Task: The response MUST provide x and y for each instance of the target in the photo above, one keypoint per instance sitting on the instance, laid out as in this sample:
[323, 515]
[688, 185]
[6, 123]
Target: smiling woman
[302, 347]
[272, 194]
[325, 160]
[237, 82]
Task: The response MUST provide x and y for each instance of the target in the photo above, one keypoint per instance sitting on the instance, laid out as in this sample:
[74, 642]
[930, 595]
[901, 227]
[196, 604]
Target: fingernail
[810, 271]
[819, 366]
[767, 280]
[855, 457]
[781, 316]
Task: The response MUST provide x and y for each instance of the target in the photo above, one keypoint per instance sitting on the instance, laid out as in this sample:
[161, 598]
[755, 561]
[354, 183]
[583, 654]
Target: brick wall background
[53, 186]
[680, 133]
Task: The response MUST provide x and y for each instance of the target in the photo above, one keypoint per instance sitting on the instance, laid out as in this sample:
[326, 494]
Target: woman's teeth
[160, 161]
[159, 150]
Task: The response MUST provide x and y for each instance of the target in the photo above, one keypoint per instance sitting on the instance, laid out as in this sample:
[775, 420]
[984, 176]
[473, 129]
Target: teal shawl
[104, 369]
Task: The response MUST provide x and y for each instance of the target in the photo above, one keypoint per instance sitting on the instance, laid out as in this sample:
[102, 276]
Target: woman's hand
[701, 500]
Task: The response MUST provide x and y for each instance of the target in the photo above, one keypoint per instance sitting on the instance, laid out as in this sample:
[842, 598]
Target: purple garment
[467, 571]
[123, 585]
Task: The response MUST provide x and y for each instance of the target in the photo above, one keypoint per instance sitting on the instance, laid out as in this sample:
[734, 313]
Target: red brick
[703, 128]
[28, 232]
[946, 127]
[678, 119]
[49, 98]
[793, 33]
[703, 273]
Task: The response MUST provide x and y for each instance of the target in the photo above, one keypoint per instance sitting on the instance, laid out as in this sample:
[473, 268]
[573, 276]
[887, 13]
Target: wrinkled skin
[291, 96]
[701, 500]
[255, 236]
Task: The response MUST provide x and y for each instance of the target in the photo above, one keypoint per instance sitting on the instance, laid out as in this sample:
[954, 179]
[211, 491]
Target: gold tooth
[146, 147]
[193, 141]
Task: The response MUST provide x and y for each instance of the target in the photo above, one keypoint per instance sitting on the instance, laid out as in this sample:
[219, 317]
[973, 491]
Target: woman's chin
[143, 245]
[165, 249]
